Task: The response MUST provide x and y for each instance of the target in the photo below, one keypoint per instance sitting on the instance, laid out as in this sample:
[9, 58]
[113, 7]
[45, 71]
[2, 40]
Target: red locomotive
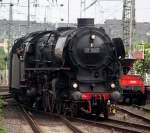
[133, 89]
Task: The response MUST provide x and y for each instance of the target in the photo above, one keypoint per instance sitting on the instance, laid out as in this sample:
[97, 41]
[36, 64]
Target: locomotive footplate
[96, 103]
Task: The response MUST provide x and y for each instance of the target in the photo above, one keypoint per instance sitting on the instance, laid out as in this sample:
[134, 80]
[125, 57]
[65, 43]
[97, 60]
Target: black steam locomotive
[69, 70]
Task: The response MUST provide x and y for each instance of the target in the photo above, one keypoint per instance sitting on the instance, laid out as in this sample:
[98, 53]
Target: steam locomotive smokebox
[85, 22]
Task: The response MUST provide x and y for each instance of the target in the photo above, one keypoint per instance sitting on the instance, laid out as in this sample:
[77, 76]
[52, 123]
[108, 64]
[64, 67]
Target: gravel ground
[14, 122]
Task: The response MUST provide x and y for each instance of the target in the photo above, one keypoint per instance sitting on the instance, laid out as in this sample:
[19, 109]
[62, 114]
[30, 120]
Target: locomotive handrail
[48, 68]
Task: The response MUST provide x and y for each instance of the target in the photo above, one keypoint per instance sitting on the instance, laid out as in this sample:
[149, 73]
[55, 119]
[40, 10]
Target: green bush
[2, 131]
[1, 106]
[1, 113]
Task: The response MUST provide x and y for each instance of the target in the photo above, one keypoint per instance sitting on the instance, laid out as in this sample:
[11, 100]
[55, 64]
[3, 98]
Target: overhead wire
[115, 11]
[51, 3]
[93, 3]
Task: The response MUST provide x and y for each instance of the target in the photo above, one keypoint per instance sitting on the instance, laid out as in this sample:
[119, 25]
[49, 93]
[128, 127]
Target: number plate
[92, 50]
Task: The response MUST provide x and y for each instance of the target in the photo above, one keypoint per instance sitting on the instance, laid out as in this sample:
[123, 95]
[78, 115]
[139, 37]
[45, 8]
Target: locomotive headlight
[75, 85]
[93, 37]
[113, 85]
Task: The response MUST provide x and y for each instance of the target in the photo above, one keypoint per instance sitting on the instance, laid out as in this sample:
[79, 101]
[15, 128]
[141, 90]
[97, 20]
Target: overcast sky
[101, 11]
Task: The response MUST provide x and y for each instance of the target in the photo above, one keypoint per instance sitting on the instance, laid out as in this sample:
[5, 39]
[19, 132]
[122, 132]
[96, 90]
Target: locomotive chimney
[85, 22]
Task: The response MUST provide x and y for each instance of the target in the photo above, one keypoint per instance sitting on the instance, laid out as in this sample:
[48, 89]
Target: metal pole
[68, 12]
[84, 6]
[9, 39]
[10, 26]
[45, 16]
[28, 15]
[81, 9]
[132, 27]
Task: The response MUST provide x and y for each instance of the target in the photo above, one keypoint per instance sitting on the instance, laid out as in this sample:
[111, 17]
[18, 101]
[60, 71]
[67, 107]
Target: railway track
[115, 125]
[4, 92]
[140, 114]
[35, 127]
[142, 108]
[109, 125]
[137, 127]
[36, 122]
[14, 121]
[4, 89]
[5, 95]
[56, 123]
[70, 125]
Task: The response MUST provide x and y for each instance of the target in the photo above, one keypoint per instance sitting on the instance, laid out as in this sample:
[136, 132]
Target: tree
[143, 66]
[2, 59]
